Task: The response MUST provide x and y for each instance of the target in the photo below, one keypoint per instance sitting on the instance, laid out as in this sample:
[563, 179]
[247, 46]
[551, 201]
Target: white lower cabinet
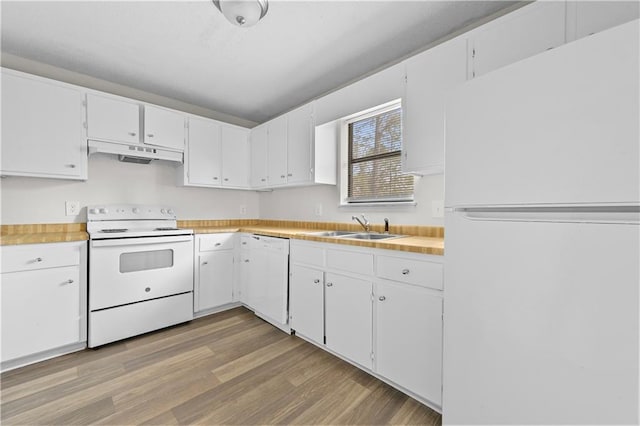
[43, 301]
[408, 345]
[214, 271]
[380, 309]
[306, 310]
[348, 317]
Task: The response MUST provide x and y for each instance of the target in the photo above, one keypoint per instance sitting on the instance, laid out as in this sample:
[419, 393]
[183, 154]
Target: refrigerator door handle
[630, 216]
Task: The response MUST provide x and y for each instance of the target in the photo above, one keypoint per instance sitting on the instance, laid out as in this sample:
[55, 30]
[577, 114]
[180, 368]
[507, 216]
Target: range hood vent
[134, 153]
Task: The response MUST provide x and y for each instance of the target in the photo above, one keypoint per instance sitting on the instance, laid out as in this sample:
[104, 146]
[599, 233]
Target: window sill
[397, 204]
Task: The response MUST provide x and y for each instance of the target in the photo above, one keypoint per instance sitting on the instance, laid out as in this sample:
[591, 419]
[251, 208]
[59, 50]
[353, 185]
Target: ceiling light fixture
[243, 13]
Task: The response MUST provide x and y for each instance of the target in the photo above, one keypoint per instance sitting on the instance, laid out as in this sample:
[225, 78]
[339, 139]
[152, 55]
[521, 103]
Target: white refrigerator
[542, 239]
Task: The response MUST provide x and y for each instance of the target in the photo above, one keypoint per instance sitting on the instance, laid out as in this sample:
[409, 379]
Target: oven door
[128, 270]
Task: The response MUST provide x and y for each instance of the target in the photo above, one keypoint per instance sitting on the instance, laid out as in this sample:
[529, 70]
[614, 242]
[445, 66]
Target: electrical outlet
[72, 208]
[243, 210]
[318, 209]
[437, 208]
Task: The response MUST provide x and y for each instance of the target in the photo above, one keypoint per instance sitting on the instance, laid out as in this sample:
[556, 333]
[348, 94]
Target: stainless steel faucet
[364, 222]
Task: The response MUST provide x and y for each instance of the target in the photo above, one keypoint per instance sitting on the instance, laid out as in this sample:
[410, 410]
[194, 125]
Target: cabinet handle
[405, 272]
[69, 281]
[246, 261]
[38, 259]
[205, 263]
[71, 166]
[217, 244]
[290, 174]
[329, 284]
[282, 176]
[132, 133]
[382, 298]
[226, 179]
[148, 289]
[316, 281]
[244, 243]
[263, 180]
[215, 178]
[149, 135]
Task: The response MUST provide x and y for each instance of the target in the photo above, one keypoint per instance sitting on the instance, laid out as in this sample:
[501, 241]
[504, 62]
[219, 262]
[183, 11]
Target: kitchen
[162, 183]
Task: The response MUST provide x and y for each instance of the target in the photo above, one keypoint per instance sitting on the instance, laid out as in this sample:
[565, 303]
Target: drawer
[212, 242]
[29, 257]
[411, 271]
[310, 255]
[358, 263]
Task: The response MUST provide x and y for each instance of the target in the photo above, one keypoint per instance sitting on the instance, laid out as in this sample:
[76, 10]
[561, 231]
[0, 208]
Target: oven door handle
[119, 242]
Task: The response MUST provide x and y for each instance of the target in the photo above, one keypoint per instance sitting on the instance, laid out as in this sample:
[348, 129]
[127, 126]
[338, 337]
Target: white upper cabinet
[523, 33]
[277, 151]
[429, 77]
[112, 119]
[163, 127]
[42, 128]
[299, 142]
[589, 17]
[258, 147]
[202, 156]
[235, 156]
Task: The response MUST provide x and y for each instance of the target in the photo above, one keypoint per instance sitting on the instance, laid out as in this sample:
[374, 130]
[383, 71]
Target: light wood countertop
[418, 239]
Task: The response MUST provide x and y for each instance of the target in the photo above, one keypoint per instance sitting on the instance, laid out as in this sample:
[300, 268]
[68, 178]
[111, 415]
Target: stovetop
[132, 220]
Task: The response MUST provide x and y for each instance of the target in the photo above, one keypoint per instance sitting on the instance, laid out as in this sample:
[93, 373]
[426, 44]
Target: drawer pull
[215, 178]
[132, 133]
[69, 281]
[38, 259]
[205, 263]
[149, 135]
[382, 298]
[246, 261]
[316, 281]
[282, 176]
[244, 243]
[71, 166]
[329, 284]
[217, 244]
[148, 289]
[405, 272]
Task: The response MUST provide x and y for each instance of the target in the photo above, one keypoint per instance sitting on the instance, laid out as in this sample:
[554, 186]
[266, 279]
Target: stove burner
[166, 229]
[114, 230]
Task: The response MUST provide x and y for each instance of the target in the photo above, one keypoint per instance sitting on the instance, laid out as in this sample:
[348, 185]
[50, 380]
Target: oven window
[146, 260]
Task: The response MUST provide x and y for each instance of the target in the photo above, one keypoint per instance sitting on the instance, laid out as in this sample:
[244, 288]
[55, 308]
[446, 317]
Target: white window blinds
[375, 148]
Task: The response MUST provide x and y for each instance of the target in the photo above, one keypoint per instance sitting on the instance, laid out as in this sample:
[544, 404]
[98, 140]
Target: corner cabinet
[429, 77]
[216, 155]
[379, 309]
[43, 301]
[42, 128]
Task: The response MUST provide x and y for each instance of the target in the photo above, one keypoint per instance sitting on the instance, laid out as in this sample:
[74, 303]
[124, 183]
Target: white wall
[34, 200]
[301, 203]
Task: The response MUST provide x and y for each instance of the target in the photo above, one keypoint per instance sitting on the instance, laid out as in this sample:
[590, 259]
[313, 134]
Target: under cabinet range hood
[133, 153]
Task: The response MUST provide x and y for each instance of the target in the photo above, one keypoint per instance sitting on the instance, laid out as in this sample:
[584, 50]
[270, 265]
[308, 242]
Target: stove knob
[163, 211]
[136, 210]
[93, 211]
[170, 211]
[103, 211]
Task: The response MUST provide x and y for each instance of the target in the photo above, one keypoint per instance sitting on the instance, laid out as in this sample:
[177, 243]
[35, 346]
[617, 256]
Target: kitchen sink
[332, 233]
[371, 236]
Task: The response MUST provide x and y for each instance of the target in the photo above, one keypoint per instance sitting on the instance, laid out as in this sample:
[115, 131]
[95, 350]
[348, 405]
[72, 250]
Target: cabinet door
[245, 276]
[277, 147]
[215, 280]
[430, 76]
[259, 157]
[42, 131]
[112, 119]
[235, 156]
[204, 152]
[40, 310]
[299, 140]
[348, 317]
[594, 16]
[307, 302]
[409, 338]
[518, 35]
[163, 127]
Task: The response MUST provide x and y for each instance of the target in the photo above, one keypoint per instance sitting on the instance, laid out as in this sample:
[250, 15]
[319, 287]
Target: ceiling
[187, 51]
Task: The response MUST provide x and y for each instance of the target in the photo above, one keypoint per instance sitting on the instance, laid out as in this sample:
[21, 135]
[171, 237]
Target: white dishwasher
[268, 283]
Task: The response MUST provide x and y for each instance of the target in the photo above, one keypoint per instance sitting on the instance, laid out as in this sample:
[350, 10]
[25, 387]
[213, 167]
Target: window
[374, 172]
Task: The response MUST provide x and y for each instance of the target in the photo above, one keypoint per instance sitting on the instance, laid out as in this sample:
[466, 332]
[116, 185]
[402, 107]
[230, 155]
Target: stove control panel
[129, 212]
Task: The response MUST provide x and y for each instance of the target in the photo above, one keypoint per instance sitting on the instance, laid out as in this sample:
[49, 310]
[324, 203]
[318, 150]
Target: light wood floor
[228, 368]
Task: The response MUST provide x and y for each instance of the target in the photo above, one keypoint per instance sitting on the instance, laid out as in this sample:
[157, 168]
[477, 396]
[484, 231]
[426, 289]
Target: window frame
[346, 156]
